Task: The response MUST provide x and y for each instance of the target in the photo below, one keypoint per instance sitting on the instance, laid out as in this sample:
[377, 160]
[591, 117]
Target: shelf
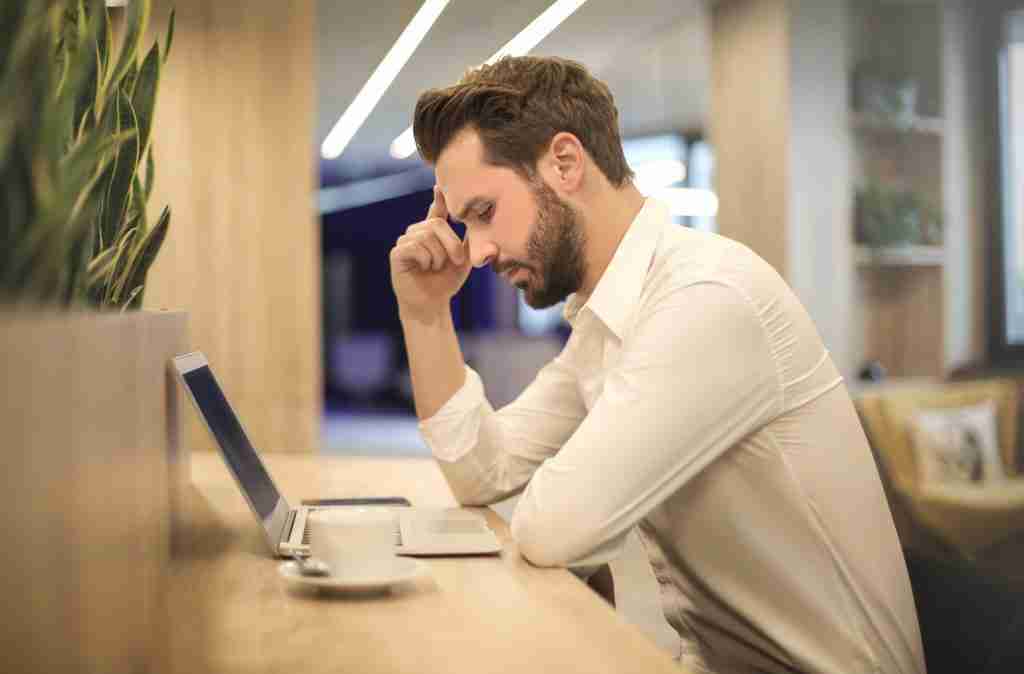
[927, 126]
[901, 256]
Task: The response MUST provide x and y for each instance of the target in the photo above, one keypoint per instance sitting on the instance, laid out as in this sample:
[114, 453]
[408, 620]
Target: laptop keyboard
[305, 532]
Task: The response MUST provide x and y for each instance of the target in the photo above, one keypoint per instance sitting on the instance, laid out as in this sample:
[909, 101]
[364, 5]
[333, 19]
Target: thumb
[438, 208]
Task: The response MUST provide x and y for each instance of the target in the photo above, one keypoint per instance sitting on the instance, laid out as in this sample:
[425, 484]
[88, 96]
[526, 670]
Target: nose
[482, 251]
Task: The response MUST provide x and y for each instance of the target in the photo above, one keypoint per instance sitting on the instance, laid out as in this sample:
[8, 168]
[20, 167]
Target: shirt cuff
[452, 431]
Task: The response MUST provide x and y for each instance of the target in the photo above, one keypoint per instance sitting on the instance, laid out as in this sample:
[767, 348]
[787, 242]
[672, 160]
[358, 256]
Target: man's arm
[429, 264]
[485, 455]
[697, 376]
[436, 364]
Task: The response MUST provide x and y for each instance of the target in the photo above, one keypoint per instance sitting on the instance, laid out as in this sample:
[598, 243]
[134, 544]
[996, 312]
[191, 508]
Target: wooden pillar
[235, 159]
[779, 125]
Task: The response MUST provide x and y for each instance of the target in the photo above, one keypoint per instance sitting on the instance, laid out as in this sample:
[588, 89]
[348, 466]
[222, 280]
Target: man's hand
[429, 264]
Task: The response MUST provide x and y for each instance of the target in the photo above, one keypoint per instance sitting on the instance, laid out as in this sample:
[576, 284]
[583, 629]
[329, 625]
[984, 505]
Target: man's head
[515, 145]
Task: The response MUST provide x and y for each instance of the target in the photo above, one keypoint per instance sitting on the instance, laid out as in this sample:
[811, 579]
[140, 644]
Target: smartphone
[375, 500]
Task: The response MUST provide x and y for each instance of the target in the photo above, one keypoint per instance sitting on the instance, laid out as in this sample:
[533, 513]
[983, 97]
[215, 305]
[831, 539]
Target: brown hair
[517, 105]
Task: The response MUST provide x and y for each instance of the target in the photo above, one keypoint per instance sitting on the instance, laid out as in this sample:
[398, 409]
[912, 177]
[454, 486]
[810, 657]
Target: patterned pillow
[958, 444]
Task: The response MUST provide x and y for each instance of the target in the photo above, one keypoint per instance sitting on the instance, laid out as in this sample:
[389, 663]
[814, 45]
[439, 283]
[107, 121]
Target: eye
[487, 213]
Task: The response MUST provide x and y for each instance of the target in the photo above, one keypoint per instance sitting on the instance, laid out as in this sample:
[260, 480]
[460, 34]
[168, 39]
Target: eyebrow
[475, 202]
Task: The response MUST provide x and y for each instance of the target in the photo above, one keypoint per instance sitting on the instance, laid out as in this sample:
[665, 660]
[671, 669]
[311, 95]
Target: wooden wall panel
[904, 319]
[779, 128]
[750, 124]
[235, 156]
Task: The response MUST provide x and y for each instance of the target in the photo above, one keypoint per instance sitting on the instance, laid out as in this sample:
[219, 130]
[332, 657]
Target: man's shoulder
[688, 257]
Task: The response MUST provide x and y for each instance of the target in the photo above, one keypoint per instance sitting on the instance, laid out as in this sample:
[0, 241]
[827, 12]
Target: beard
[555, 250]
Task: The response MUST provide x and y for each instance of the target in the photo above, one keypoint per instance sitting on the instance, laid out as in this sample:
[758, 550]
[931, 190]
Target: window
[1011, 99]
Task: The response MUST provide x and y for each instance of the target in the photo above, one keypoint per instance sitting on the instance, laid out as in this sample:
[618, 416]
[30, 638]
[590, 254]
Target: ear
[565, 162]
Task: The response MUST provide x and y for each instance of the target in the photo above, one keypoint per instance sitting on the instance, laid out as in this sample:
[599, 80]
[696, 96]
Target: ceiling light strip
[360, 108]
[527, 39]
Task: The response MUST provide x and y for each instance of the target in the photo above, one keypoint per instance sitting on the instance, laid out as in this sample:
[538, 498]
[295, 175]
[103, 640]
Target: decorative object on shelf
[76, 162]
[872, 372]
[889, 217]
[885, 99]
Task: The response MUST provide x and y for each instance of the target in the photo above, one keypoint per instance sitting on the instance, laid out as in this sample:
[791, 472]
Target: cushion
[957, 444]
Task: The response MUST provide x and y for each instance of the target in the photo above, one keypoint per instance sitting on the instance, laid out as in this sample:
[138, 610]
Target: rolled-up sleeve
[696, 375]
[487, 455]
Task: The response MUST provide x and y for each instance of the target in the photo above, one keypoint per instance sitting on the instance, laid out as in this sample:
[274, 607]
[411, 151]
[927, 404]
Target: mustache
[511, 265]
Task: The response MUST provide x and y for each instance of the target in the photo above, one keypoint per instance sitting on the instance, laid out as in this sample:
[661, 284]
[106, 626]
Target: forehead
[462, 173]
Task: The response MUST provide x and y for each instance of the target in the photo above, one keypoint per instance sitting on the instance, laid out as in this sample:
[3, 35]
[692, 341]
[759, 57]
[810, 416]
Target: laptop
[418, 531]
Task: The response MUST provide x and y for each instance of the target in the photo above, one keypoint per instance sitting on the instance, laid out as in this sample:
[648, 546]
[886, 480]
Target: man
[694, 399]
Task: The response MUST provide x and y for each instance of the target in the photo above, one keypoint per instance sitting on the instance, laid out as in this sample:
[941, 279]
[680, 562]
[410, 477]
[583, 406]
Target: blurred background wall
[233, 143]
[279, 255]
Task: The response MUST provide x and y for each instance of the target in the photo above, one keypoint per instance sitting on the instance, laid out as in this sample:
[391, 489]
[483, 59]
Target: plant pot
[94, 475]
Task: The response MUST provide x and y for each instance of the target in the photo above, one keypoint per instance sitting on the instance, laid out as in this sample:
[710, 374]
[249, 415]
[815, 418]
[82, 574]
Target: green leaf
[82, 170]
[105, 147]
[101, 265]
[118, 196]
[144, 99]
[61, 231]
[78, 257]
[139, 198]
[7, 129]
[84, 83]
[12, 17]
[122, 261]
[147, 251]
[135, 296]
[136, 22]
[150, 172]
[104, 45]
[73, 32]
[127, 84]
[170, 37]
[86, 117]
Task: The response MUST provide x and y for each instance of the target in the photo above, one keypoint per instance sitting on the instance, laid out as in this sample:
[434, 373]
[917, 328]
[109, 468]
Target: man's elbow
[471, 497]
[541, 543]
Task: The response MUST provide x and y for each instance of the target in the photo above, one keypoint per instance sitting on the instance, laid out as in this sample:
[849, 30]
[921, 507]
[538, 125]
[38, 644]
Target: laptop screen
[241, 456]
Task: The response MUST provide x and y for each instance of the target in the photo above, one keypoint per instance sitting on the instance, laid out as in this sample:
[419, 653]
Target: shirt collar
[618, 290]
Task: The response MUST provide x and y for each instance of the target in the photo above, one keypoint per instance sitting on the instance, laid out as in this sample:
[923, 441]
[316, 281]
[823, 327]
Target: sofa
[939, 518]
[963, 543]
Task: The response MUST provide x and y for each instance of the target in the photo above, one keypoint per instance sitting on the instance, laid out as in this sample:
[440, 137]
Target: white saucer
[385, 575]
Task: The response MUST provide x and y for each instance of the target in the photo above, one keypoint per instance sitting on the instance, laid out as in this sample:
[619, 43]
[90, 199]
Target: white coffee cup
[353, 541]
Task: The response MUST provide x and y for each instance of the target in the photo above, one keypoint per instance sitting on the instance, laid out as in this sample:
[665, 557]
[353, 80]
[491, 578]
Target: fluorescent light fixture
[538, 29]
[116, 3]
[689, 201]
[651, 176]
[360, 108]
[521, 44]
[404, 145]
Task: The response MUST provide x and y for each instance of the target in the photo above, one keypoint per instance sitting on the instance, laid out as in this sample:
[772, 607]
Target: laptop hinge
[286, 530]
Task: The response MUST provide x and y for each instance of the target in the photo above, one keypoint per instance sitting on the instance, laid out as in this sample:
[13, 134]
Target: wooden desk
[232, 613]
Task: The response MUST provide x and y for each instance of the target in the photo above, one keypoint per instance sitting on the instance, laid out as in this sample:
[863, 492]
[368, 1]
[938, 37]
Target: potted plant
[92, 432]
[76, 165]
[891, 217]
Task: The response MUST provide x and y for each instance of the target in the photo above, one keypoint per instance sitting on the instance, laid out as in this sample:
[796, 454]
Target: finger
[438, 254]
[428, 239]
[438, 209]
[410, 256]
[450, 240]
[426, 225]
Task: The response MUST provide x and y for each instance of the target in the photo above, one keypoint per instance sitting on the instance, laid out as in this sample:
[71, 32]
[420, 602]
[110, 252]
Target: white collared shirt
[695, 401]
